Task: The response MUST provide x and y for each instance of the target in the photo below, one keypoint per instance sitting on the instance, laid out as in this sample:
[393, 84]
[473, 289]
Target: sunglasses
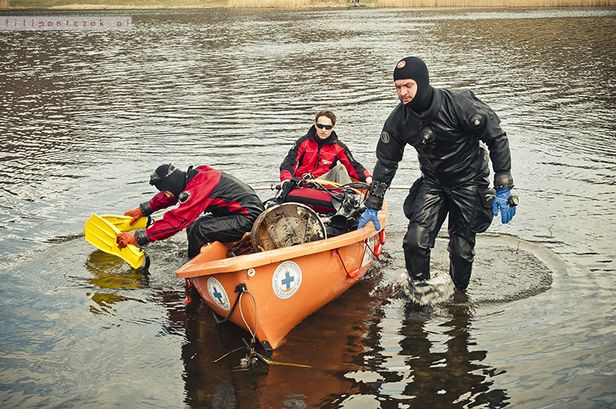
[323, 126]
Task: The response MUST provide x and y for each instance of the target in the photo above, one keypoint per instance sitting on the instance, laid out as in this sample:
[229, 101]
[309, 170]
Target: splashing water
[438, 289]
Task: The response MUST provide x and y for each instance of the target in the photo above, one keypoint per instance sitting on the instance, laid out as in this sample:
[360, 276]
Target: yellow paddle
[102, 234]
[123, 222]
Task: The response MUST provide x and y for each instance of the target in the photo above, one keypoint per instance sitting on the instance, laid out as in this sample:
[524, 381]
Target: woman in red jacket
[320, 154]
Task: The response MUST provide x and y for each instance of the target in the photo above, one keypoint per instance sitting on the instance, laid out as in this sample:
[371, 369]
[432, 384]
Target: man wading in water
[446, 128]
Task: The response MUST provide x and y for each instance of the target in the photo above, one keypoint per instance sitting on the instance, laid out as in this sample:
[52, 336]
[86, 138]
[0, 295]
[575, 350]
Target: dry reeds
[297, 4]
[493, 3]
[282, 4]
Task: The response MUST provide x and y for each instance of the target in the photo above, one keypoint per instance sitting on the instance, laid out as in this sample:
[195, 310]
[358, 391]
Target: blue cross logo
[217, 295]
[288, 279]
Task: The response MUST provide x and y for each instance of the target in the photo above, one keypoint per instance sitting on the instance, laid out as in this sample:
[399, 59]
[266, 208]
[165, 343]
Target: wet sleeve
[158, 202]
[389, 152]
[482, 121]
[177, 219]
[356, 170]
[289, 163]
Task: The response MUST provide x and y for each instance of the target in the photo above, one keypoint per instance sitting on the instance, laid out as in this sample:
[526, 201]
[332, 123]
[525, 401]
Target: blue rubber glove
[369, 215]
[501, 202]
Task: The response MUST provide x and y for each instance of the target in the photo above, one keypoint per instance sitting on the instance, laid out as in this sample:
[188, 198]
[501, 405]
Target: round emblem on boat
[251, 272]
[218, 294]
[286, 279]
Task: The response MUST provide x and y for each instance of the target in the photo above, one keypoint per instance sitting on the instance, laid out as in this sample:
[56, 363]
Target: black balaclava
[415, 69]
[169, 178]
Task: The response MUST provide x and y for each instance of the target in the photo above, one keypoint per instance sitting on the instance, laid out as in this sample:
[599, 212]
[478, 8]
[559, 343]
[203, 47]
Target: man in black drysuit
[446, 128]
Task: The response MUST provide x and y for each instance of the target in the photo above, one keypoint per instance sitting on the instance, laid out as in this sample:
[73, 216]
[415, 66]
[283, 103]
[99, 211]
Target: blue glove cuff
[501, 203]
[369, 215]
[503, 192]
[373, 212]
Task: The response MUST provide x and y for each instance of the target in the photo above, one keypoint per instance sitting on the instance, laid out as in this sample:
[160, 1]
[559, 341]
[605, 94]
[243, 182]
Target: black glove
[285, 187]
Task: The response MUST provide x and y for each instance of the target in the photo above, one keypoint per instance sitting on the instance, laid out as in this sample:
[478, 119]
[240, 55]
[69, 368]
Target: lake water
[85, 116]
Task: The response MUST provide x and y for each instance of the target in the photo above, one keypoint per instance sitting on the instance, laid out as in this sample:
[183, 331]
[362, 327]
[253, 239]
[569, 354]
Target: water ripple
[86, 116]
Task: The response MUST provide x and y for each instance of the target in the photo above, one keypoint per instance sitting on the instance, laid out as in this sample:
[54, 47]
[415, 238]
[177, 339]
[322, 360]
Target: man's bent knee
[417, 238]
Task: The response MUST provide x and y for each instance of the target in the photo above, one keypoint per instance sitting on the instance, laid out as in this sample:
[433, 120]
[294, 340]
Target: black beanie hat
[169, 178]
[414, 68]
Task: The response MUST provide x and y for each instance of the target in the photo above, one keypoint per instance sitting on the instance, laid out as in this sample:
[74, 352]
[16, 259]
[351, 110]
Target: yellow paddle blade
[327, 182]
[102, 235]
[122, 223]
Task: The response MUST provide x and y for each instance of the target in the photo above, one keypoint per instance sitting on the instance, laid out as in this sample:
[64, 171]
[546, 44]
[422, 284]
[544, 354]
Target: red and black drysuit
[228, 205]
[311, 155]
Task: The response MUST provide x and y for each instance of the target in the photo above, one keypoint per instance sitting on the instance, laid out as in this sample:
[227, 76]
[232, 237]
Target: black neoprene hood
[414, 68]
[169, 178]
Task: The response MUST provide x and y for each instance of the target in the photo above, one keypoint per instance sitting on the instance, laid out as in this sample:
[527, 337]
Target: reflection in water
[209, 383]
[326, 341]
[83, 114]
[430, 361]
[444, 368]
[104, 302]
[111, 272]
[434, 362]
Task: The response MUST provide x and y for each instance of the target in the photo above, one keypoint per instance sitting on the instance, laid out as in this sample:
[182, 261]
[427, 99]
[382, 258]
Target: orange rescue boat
[268, 293]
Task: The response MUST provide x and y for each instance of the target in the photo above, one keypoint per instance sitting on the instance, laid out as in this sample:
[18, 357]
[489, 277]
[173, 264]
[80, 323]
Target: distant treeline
[105, 4]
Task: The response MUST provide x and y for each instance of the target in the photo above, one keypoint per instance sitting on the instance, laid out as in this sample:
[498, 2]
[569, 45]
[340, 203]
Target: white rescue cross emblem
[287, 279]
[218, 294]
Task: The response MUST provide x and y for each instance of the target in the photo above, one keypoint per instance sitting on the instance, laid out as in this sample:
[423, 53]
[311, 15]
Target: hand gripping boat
[269, 292]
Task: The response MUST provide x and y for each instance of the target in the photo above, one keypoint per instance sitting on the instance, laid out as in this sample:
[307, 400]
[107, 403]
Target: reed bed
[291, 4]
[494, 3]
[283, 4]
[110, 4]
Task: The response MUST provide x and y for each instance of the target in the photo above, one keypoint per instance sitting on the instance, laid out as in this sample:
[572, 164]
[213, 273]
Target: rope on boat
[240, 288]
[268, 361]
[227, 354]
[254, 305]
[371, 250]
[252, 353]
[342, 262]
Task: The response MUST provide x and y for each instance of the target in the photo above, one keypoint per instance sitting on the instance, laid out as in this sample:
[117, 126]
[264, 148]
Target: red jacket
[316, 157]
[208, 190]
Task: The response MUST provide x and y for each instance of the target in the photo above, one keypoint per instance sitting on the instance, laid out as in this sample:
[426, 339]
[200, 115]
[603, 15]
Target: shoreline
[24, 5]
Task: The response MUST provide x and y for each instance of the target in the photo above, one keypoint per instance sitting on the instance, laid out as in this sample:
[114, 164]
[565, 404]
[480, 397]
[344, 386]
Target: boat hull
[269, 293]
